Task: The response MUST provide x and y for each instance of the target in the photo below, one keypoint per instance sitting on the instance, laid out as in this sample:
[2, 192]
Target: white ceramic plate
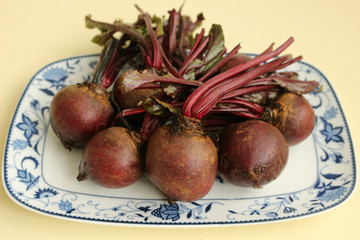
[40, 175]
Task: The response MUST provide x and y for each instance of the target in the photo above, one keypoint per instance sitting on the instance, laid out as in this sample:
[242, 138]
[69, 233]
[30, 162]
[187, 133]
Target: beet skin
[181, 160]
[293, 116]
[131, 99]
[112, 158]
[78, 112]
[252, 153]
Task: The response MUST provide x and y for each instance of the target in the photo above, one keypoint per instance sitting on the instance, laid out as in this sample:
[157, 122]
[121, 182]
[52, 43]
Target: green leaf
[171, 89]
[102, 38]
[155, 108]
[217, 42]
[175, 110]
[159, 22]
[93, 24]
[298, 86]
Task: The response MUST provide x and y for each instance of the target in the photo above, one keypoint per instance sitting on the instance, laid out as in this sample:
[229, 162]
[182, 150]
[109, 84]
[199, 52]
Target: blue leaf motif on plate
[92, 64]
[66, 206]
[330, 187]
[271, 214]
[28, 126]
[168, 211]
[330, 113]
[35, 105]
[333, 193]
[27, 178]
[337, 157]
[289, 210]
[19, 144]
[331, 133]
[47, 91]
[56, 76]
[144, 209]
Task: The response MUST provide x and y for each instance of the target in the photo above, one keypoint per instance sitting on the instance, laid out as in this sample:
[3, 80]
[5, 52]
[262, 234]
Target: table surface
[327, 34]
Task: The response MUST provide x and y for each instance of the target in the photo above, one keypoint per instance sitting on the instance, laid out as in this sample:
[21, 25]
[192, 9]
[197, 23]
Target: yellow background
[327, 34]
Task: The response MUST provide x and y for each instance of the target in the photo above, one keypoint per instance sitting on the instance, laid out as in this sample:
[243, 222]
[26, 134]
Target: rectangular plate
[40, 175]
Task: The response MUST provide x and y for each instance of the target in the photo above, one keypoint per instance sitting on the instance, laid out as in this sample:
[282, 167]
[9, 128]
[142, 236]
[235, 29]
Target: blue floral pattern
[28, 127]
[26, 183]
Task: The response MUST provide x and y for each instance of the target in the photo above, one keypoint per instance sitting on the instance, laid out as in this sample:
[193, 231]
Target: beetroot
[252, 153]
[293, 116]
[132, 98]
[112, 158]
[181, 160]
[77, 112]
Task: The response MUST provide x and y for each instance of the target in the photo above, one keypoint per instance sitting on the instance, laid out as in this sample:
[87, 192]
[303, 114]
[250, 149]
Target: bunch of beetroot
[186, 109]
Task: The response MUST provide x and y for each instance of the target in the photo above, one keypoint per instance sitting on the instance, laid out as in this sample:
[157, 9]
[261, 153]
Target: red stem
[219, 64]
[174, 21]
[268, 50]
[157, 56]
[247, 90]
[169, 66]
[179, 81]
[115, 66]
[150, 123]
[204, 105]
[249, 105]
[287, 63]
[132, 111]
[194, 55]
[230, 110]
[247, 115]
[193, 98]
[196, 44]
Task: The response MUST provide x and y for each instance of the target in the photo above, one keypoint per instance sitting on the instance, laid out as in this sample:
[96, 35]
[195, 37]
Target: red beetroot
[181, 160]
[78, 112]
[252, 153]
[112, 158]
[293, 116]
[131, 99]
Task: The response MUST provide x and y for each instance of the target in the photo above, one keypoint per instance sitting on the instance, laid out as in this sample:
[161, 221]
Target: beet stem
[249, 105]
[132, 111]
[246, 115]
[194, 55]
[196, 44]
[204, 105]
[157, 56]
[220, 64]
[168, 65]
[287, 63]
[247, 90]
[194, 97]
[150, 124]
[174, 20]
